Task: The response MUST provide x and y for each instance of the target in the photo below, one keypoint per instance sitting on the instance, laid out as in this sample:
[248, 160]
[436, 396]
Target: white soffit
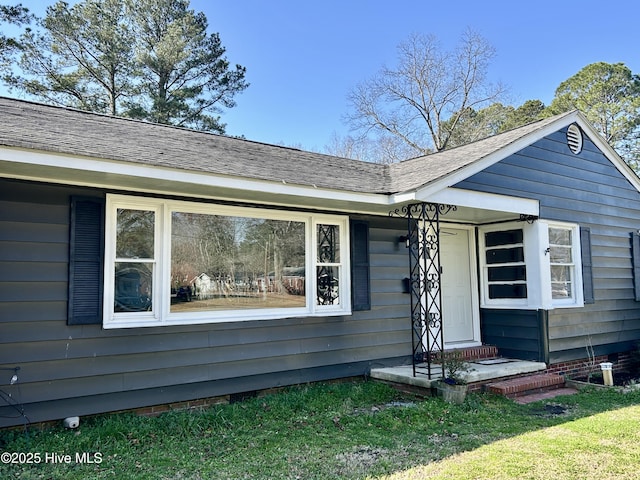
[485, 201]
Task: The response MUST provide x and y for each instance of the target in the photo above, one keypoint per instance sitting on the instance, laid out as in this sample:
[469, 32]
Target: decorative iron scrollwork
[423, 227]
[327, 275]
[530, 219]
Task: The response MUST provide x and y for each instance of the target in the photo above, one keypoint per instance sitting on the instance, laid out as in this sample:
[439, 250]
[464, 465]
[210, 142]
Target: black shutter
[360, 280]
[86, 260]
[587, 267]
[635, 257]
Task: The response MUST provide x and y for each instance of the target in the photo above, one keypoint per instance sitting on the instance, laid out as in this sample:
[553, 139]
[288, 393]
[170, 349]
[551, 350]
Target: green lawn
[352, 430]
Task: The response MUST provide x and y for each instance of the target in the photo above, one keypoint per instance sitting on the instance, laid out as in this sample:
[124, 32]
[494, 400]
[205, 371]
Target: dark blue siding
[516, 333]
[82, 369]
[585, 189]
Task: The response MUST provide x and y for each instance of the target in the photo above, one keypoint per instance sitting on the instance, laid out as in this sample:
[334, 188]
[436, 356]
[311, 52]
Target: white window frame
[577, 293]
[538, 265]
[486, 284]
[161, 299]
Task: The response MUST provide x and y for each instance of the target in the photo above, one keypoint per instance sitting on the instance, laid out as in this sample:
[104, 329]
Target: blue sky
[302, 57]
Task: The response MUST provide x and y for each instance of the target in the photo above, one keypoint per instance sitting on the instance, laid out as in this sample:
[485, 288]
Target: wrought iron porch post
[425, 274]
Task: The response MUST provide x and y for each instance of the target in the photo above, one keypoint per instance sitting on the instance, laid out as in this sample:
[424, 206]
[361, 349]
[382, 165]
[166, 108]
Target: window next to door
[531, 266]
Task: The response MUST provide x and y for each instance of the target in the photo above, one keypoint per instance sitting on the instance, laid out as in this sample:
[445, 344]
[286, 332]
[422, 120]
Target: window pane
[561, 290]
[561, 281]
[505, 255]
[560, 273]
[134, 234]
[559, 236]
[560, 254]
[328, 244]
[507, 273]
[518, 290]
[507, 237]
[133, 287]
[229, 263]
[328, 286]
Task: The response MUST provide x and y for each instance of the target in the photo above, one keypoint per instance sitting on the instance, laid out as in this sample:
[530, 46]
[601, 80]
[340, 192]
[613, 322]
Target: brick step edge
[523, 385]
[482, 352]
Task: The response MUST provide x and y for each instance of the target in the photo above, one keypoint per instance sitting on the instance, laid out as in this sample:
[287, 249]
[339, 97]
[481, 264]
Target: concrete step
[526, 385]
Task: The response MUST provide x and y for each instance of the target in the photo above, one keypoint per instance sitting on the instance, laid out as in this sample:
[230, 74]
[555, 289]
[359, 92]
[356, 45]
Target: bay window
[531, 265]
[172, 262]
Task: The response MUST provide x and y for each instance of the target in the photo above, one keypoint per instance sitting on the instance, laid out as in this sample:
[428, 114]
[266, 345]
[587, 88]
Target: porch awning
[474, 207]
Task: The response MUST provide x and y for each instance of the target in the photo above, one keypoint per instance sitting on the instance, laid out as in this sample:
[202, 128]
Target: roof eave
[124, 176]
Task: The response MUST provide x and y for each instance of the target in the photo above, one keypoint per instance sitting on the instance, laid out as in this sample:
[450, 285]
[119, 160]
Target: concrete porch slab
[481, 372]
[402, 374]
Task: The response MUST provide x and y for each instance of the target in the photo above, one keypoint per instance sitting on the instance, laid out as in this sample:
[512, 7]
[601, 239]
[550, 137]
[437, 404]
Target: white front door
[460, 314]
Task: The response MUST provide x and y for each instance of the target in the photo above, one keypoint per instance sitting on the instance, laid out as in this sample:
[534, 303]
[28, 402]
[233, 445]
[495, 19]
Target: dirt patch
[378, 408]
[361, 459]
[550, 410]
[620, 379]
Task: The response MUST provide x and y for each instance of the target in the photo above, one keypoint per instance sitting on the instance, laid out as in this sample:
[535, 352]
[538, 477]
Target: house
[323, 267]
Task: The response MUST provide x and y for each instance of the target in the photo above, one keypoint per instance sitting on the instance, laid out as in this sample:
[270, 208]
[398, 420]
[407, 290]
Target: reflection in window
[133, 287]
[562, 266]
[134, 236]
[232, 263]
[134, 260]
[171, 262]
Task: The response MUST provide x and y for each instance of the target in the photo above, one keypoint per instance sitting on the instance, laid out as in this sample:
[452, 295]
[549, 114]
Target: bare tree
[427, 88]
[385, 148]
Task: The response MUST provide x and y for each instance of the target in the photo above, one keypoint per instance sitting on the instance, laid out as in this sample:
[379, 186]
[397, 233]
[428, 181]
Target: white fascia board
[484, 201]
[27, 163]
[403, 197]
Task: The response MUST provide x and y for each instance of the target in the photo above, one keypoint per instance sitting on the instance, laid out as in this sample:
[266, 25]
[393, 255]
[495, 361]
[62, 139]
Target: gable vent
[574, 138]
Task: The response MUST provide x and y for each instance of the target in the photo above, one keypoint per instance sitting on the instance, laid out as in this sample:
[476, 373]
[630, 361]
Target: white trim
[138, 177]
[537, 262]
[138, 318]
[485, 201]
[86, 171]
[577, 299]
[161, 314]
[515, 303]
[538, 271]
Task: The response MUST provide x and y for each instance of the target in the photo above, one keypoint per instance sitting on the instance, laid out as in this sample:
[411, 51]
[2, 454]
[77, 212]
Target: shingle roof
[62, 130]
[416, 172]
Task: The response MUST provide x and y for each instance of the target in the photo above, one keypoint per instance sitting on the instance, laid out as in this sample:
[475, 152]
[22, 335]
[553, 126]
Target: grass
[354, 430]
